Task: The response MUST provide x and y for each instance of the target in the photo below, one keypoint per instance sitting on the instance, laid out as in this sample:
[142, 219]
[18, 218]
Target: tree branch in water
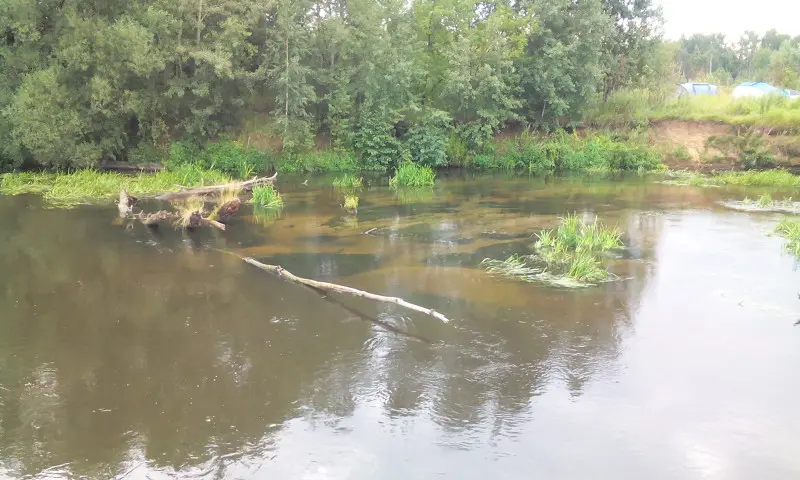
[332, 287]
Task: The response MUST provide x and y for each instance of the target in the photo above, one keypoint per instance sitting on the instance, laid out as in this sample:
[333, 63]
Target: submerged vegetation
[790, 229]
[574, 250]
[780, 179]
[85, 186]
[411, 175]
[266, 196]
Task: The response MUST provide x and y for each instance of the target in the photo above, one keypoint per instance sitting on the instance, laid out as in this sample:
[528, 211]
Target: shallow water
[135, 354]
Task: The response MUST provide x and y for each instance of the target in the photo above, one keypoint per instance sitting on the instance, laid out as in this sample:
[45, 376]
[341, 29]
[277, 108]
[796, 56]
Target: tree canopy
[86, 80]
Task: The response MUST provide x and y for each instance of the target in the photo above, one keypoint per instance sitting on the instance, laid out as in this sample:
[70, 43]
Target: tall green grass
[790, 229]
[266, 196]
[411, 175]
[87, 186]
[639, 106]
[563, 152]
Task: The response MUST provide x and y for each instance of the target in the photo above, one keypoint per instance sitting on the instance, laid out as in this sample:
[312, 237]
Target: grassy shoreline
[90, 186]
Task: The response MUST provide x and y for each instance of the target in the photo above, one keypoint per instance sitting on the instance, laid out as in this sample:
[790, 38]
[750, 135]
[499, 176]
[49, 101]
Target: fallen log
[332, 287]
[201, 191]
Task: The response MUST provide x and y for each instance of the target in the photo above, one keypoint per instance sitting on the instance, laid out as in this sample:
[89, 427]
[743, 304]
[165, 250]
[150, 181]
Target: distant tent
[695, 89]
[759, 89]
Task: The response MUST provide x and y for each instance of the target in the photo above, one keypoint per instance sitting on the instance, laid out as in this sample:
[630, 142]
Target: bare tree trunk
[199, 20]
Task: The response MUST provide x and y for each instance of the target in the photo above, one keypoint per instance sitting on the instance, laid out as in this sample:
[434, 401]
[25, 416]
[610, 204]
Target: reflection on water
[142, 354]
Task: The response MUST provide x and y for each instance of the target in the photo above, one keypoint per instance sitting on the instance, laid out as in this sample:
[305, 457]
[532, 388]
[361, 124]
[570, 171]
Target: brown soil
[684, 144]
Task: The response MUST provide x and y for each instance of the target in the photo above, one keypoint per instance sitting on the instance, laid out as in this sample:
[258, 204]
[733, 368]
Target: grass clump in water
[266, 196]
[412, 175]
[348, 181]
[573, 251]
[790, 229]
[86, 186]
[351, 203]
[765, 200]
[577, 247]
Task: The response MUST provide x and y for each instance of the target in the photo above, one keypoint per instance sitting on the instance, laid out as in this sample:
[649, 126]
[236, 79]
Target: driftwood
[200, 191]
[332, 287]
[126, 203]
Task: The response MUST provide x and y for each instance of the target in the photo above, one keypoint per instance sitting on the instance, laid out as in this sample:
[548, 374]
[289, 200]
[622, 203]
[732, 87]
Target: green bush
[227, 156]
[234, 158]
[427, 145]
[146, 153]
[323, 161]
[375, 143]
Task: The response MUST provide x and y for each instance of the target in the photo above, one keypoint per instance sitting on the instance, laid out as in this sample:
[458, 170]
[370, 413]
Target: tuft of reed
[764, 200]
[573, 252]
[348, 182]
[790, 229]
[412, 175]
[266, 196]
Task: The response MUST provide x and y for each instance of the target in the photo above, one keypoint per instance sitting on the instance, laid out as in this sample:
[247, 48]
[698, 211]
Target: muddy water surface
[126, 353]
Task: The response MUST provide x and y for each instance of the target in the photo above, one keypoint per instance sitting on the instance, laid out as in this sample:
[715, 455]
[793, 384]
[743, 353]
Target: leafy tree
[564, 65]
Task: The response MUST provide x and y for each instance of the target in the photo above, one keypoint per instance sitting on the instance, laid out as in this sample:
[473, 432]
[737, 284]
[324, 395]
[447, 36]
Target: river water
[128, 353]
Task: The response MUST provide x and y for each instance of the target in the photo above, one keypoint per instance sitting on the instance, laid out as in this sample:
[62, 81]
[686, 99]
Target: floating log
[332, 287]
[201, 191]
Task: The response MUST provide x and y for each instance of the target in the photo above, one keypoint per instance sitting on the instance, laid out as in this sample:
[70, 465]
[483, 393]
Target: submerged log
[201, 191]
[332, 287]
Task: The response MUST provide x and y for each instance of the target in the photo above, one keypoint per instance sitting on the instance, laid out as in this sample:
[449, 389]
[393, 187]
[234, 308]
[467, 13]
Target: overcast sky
[731, 17]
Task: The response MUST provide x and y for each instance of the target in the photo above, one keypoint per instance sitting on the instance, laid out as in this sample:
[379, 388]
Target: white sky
[731, 17]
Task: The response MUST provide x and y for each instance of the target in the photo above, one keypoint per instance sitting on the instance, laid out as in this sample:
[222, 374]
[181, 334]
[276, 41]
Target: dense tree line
[86, 80]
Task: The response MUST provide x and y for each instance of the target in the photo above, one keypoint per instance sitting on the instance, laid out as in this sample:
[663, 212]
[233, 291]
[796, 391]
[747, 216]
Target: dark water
[138, 355]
